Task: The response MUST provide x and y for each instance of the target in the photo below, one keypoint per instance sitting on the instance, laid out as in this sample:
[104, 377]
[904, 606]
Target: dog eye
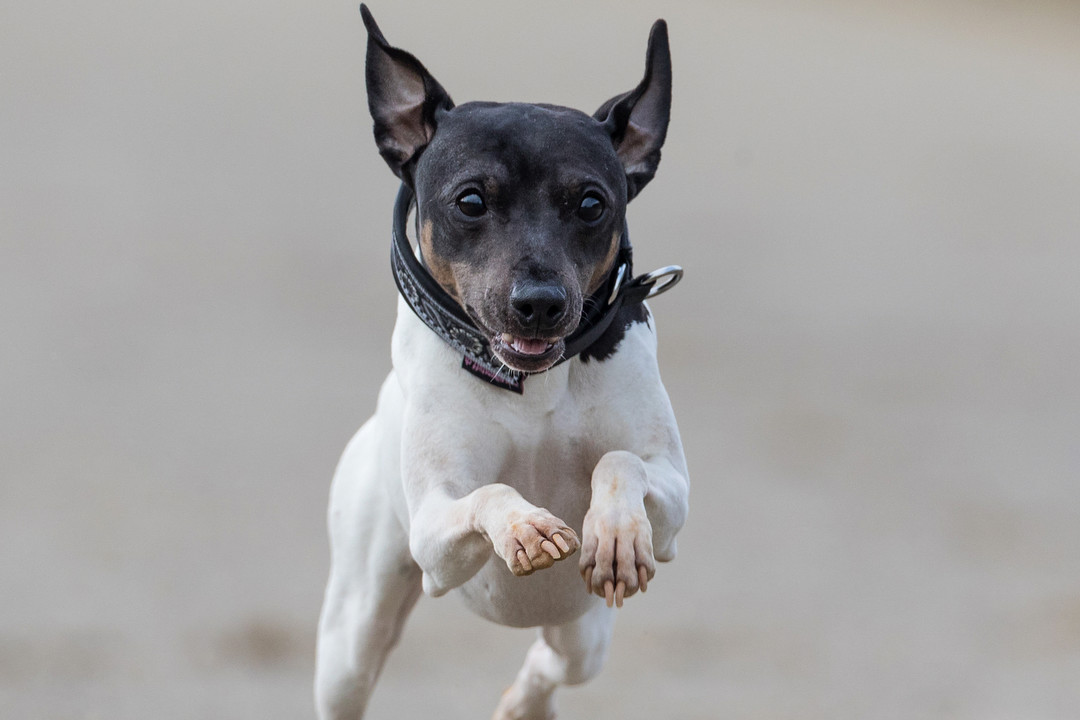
[591, 208]
[471, 204]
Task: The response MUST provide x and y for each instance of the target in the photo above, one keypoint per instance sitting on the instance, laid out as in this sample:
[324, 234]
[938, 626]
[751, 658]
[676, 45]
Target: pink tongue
[526, 346]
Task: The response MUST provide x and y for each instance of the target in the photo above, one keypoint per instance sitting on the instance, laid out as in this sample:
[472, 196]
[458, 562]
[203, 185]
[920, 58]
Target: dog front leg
[451, 538]
[636, 509]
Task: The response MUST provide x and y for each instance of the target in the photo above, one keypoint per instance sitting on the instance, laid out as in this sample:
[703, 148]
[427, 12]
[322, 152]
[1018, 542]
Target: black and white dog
[524, 419]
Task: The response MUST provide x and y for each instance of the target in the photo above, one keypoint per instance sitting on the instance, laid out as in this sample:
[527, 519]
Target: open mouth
[528, 354]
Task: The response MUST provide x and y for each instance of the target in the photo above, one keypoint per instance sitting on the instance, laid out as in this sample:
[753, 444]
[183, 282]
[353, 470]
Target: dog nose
[538, 306]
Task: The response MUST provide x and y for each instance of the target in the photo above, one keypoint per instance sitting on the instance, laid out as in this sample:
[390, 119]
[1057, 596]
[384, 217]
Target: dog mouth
[528, 354]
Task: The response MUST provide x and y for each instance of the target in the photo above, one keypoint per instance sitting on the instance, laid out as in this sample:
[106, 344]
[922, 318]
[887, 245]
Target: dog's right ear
[404, 99]
[637, 121]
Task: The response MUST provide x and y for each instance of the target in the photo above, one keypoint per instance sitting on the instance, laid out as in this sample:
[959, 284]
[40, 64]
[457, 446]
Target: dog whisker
[589, 305]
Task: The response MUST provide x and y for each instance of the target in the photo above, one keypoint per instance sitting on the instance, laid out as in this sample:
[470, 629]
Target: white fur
[449, 474]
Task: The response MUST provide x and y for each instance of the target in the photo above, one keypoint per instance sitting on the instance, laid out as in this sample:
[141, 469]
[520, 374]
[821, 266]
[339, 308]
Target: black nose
[538, 306]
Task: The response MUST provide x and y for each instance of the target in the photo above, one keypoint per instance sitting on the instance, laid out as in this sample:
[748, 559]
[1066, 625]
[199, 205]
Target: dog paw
[534, 540]
[616, 551]
[517, 704]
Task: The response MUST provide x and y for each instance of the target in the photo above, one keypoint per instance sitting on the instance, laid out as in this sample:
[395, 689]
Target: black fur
[606, 345]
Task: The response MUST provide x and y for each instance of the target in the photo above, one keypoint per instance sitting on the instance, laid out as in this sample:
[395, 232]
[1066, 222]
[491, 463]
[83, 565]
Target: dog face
[520, 207]
[520, 213]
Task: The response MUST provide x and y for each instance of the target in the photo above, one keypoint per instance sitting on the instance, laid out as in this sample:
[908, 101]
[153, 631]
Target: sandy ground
[873, 356]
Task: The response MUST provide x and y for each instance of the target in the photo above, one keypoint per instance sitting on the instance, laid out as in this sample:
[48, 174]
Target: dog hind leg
[374, 582]
[568, 654]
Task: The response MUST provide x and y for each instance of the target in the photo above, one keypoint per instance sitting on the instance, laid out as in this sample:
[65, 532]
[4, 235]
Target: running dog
[524, 420]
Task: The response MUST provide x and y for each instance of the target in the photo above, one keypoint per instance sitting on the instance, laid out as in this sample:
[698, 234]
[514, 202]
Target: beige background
[873, 356]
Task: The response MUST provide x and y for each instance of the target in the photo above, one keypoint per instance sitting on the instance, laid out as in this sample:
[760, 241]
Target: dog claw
[620, 591]
[609, 593]
[523, 561]
[588, 578]
[561, 542]
[643, 578]
[550, 548]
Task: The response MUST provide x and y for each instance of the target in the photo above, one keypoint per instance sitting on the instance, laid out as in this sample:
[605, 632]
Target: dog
[524, 420]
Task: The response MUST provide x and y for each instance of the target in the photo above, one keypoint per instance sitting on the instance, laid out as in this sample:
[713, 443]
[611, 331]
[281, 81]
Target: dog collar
[445, 316]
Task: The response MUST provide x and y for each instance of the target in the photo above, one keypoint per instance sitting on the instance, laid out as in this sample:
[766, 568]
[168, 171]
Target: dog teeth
[526, 346]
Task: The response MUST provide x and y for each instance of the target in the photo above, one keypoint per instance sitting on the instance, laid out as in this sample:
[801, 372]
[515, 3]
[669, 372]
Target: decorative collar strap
[448, 319]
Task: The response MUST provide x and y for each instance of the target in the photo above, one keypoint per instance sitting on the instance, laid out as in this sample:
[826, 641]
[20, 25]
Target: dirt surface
[873, 356]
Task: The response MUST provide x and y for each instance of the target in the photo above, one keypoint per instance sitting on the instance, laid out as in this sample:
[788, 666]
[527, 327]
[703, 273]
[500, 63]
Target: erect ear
[637, 121]
[404, 99]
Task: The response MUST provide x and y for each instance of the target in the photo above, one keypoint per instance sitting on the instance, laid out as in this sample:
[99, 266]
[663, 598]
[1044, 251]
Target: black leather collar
[448, 319]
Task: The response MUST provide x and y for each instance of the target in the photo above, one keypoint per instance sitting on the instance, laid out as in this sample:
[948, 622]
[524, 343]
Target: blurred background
[873, 356]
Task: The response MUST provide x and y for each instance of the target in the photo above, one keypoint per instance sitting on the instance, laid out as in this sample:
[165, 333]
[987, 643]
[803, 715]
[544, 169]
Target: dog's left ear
[637, 121]
[404, 99]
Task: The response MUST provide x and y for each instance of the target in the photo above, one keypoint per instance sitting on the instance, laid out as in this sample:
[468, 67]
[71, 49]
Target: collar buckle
[652, 280]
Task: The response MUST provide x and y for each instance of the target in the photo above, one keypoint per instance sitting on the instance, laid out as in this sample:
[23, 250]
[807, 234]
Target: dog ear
[404, 99]
[637, 121]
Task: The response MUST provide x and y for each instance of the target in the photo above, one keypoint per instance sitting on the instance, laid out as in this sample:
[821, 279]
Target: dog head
[520, 207]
